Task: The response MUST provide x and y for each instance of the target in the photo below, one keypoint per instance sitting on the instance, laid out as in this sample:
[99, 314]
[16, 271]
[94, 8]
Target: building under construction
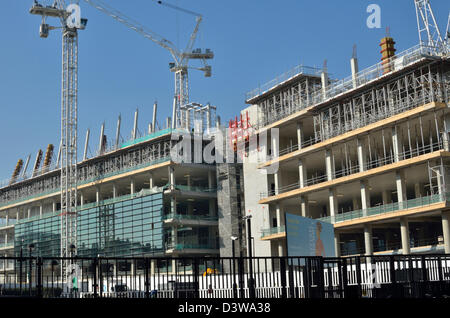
[369, 153]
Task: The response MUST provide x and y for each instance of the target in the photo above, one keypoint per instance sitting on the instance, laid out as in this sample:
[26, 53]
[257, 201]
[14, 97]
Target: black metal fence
[405, 276]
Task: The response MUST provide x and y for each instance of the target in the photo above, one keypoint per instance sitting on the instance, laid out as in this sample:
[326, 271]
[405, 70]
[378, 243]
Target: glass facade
[131, 227]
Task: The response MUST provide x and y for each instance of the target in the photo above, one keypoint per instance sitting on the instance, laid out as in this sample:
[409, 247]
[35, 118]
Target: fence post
[241, 277]
[196, 274]
[358, 274]
[344, 279]
[392, 275]
[95, 285]
[283, 277]
[307, 277]
[39, 277]
[292, 289]
[321, 280]
[146, 278]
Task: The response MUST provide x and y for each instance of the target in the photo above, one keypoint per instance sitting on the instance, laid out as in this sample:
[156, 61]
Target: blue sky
[119, 70]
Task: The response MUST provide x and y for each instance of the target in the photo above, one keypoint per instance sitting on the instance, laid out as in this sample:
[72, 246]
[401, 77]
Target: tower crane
[180, 64]
[70, 23]
[427, 27]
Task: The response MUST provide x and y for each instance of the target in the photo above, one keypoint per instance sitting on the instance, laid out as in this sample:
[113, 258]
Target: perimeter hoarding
[309, 237]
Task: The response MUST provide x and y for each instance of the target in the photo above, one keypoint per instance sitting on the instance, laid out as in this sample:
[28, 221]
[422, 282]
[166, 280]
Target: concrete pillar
[188, 181]
[7, 217]
[299, 134]
[17, 215]
[418, 190]
[54, 205]
[401, 188]
[81, 198]
[277, 181]
[174, 237]
[365, 196]
[281, 244]
[152, 266]
[445, 133]
[354, 69]
[386, 196]
[404, 231]
[324, 80]
[329, 164]
[304, 206]
[150, 181]
[396, 143]
[98, 195]
[172, 177]
[29, 212]
[279, 215]
[114, 190]
[275, 145]
[368, 240]
[132, 186]
[302, 174]
[446, 230]
[337, 244]
[40, 210]
[211, 178]
[362, 155]
[333, 203]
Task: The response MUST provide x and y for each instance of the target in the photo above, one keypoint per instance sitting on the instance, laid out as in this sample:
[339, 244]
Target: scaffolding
[90, 171]
[290, 96]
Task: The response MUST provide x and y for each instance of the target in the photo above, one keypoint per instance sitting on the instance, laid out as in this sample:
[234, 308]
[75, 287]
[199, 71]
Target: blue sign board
[309, 237]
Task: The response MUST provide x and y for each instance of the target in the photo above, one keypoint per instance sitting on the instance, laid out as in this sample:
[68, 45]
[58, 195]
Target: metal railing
[407, 276]
[297, 70]
[337, 87]
[387, 208]
[195, 217]
[273, 230]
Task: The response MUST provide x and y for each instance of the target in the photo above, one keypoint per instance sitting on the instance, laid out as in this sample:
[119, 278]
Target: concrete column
[17, 215]
[152, 266]
[54, 205]
[98, 196]
[365, 196]
[445, 133]
[386, 196]
[329, 164]
[404, 231]
[446, 230]
[188, 182]
[6, 237]
[337, 244]
[211, 178]
[81, 198]
[333, 203]
[132, 186]
[7, 217]
[302, 174]
[281, 244]
[362, 156]
[114, 190]
[150, 181]
[40, 210]
[401, 188]
[172, 177]
[304, 206]
[368, 241]
[174, 236]
[29, 212]
[354, 69]
[275, 144]
[396, 143]
[279, 215]
[277, 181]
[418, 190]
[299, 134]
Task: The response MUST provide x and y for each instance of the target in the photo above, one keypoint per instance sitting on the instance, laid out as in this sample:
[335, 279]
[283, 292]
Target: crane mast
[71, 22]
